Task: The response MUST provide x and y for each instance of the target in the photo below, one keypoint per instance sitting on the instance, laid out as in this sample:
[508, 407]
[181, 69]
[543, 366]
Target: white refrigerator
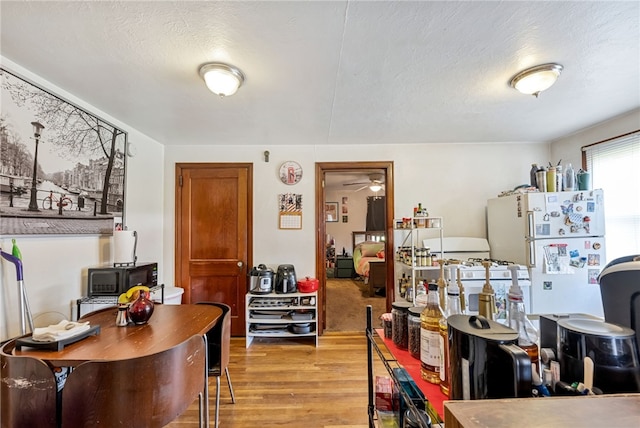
[559, 236]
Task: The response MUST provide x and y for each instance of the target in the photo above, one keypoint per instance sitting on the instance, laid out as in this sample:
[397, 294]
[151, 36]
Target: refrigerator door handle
[531, 256]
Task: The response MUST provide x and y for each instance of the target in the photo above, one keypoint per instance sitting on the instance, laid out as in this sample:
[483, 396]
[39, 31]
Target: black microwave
[113, 281]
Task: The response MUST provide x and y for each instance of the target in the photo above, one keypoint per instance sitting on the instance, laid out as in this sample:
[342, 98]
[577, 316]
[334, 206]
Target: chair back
[28, 391]
[219, 338]
[144, 392]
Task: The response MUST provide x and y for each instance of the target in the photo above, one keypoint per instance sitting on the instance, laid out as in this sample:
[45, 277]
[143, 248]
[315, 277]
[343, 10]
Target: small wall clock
[290, 172]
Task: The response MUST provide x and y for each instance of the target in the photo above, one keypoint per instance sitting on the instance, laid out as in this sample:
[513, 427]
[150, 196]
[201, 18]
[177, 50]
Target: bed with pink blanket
[364, 253]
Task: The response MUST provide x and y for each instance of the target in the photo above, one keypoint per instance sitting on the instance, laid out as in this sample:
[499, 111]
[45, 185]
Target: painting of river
[59, 164]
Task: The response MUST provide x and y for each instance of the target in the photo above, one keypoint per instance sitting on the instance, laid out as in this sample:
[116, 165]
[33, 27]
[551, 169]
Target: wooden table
[169, 327]
[616, 410]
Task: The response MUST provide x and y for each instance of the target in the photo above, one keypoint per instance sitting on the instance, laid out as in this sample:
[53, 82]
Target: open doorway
[352, 178]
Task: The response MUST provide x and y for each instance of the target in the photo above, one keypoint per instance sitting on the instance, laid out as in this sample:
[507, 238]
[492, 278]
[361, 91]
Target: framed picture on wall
[331, 212]
[345, 219]
[58, 161]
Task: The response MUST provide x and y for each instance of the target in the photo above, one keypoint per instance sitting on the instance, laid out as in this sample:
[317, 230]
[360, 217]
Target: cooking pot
[485, 360]
[308, 285]
[261, 280]
[612, 348]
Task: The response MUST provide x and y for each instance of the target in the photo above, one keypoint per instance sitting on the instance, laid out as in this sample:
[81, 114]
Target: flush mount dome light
[222, 79]
[536, 79]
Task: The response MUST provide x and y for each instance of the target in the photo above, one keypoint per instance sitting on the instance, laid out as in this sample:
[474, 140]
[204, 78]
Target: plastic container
[172, 295]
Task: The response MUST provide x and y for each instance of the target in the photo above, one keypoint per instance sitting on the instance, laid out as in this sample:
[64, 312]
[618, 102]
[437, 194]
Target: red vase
[141, 310]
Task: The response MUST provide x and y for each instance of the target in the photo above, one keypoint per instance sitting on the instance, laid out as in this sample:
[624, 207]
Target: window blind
[615, 168]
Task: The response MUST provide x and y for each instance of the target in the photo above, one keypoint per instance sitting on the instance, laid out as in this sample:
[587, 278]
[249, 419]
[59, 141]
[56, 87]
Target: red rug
[412, 365]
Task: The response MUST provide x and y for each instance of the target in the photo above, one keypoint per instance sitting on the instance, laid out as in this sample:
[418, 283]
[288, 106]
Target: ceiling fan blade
[356, 184]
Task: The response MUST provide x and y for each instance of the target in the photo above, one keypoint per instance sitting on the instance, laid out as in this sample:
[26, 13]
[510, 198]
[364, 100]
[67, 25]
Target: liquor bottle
[430, 337]
[453, 307]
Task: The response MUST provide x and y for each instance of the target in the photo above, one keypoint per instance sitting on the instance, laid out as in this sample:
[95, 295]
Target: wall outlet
[547, 285]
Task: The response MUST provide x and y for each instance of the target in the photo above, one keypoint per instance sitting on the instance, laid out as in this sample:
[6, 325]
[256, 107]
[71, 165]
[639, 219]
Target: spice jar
[413, 322]
[400, 315]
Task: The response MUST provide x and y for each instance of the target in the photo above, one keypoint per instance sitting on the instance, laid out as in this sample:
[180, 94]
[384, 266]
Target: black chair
[219, 338]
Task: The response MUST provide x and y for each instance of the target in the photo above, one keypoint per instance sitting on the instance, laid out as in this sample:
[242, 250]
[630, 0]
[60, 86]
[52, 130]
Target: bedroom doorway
[364, 174]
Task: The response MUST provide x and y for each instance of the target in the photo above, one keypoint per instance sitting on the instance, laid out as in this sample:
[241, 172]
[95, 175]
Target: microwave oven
[113, 281]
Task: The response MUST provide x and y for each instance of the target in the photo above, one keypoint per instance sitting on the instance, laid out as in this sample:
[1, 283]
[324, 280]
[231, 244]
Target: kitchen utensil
[612, 348]
[261, 280]
[308, 285]
[588, 374]
[286, 279]
[484, 360]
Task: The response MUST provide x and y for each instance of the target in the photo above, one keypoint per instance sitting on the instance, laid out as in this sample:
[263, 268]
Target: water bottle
[532, 175]
[569, 179]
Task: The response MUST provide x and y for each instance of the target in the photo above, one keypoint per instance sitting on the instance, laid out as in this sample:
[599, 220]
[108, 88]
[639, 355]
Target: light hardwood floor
[291, 383]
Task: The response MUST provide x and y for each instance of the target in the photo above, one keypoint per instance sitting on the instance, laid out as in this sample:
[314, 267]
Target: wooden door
[214, 235]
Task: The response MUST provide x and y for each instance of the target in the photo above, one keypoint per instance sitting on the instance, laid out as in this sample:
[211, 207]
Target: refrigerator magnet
[561, 232]
[596, 245]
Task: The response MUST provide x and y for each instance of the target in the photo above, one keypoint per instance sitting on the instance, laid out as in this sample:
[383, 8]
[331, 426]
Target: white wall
[451, 180]
[55, 266]
[569, 148]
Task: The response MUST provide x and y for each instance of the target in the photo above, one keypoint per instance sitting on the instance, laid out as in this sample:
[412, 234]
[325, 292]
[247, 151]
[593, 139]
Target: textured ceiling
[333, 72]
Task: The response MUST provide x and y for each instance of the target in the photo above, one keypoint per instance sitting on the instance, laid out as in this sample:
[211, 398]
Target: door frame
[321, 169]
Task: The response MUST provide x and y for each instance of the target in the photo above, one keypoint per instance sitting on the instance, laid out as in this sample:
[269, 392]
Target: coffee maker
[485, 360]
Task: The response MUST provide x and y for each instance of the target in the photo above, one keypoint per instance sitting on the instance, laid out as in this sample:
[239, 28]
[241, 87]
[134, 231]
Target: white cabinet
[411, 262]
[281, 315]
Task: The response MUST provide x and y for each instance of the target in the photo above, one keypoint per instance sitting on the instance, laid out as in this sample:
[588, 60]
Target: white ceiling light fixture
[375, 186]
[222, 79]
[536, 79]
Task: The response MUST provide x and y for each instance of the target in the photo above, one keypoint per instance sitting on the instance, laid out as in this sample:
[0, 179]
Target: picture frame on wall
[345, 219]
[60, 166]
[331, 212]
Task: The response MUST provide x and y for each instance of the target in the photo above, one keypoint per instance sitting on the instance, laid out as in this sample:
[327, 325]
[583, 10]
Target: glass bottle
[430, 337]
[518, 320]
[414, 331]
[400, 318]
[453, 308]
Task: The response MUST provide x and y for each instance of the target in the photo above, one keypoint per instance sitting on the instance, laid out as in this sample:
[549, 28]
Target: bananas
[132, 293]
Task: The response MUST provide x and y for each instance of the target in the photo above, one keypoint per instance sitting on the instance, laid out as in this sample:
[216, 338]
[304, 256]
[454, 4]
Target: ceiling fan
[375, 183]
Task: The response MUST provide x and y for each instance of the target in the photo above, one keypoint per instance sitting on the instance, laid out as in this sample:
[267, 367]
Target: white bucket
[172, 295]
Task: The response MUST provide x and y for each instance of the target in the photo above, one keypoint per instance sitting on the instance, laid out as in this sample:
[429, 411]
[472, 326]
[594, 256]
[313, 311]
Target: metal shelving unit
[412, 232]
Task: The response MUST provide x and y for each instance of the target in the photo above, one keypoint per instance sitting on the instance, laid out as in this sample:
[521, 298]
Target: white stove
[473, 277]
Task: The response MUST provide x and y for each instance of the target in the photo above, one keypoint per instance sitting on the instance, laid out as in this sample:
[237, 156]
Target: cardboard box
[384, 394]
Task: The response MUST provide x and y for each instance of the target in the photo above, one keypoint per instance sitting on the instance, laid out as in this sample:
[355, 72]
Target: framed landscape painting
[62, 168]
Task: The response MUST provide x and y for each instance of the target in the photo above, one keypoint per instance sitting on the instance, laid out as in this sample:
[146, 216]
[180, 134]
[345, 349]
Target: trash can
[172, 295]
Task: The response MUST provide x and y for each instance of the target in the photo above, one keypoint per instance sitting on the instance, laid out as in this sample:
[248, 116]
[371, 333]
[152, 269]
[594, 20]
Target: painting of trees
[94, 145]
